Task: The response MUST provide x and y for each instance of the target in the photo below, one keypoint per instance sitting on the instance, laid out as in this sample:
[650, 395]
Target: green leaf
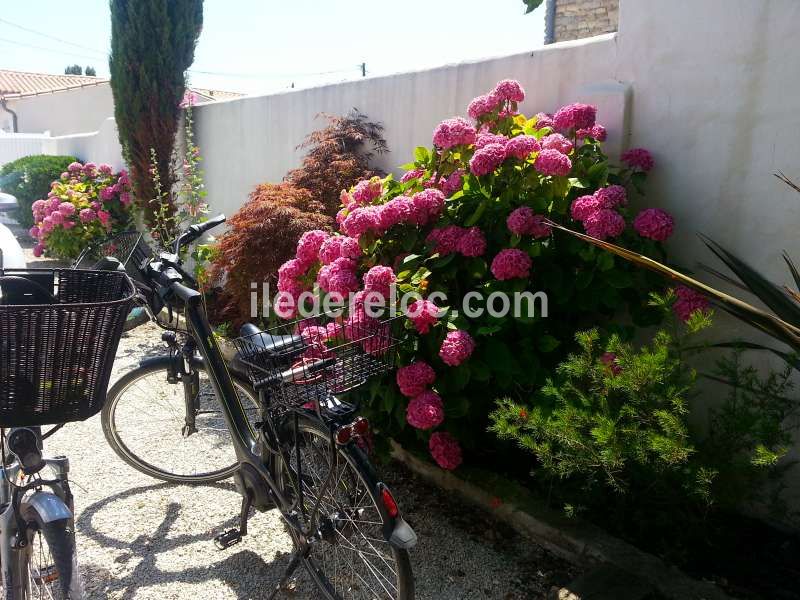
[547, 343]
[421, 154]
[605, 262]
[488, 329]
[441, 261]
[531, 5]
[410, 260]
[477, 214]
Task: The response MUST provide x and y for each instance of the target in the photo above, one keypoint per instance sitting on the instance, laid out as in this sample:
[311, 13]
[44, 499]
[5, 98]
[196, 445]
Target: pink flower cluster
[367, 190]
[552, 162]
[415, 378]
[506, 94]
[452, 238]
[654, 224]
[423, 314]
[308, 246]
[445, 450]
[638, 159]
[412, 174]
[688, 301]
[523, 221]
[457, 347]
[597, 212]
[487, 159]
[422, 208]
[609, 359]
[454, 132]
[338, 246]
[575, 116]
[425, 411]
[597, 132]
[339, 277]
[556, 141]
[511, 264]
[379, 279]
[522, 146]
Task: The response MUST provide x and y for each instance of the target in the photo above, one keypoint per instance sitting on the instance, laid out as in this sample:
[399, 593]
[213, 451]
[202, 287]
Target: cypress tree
[152, 46]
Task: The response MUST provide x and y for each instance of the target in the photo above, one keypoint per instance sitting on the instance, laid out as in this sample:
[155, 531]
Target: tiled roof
[21, 83]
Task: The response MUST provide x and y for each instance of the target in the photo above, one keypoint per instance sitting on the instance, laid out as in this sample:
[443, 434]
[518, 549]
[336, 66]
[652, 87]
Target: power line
[52, 37]
[263, 75]
[47, 49]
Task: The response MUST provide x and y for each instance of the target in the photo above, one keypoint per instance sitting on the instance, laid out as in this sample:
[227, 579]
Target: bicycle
[304, 454]
[59, 331]
[173, 390]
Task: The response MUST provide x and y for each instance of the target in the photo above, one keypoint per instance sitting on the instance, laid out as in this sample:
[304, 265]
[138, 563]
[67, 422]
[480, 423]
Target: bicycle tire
[361, 467]
[130, 457]
[57, 563]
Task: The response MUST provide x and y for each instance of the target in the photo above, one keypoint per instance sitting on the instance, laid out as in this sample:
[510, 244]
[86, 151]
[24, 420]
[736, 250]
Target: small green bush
[29, 178]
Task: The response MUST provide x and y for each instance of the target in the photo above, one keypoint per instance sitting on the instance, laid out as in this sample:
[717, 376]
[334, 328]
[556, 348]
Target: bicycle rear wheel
[144, 421]
[350, 557]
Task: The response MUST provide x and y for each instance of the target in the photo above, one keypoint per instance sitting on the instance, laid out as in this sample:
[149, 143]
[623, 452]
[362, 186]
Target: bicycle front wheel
[145, 422]
[349, 558]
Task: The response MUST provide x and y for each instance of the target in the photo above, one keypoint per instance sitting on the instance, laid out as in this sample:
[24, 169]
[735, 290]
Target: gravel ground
[138, 538]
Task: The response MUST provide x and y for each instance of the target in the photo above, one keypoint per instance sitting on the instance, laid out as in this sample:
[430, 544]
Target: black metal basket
[56, 358]
[307, 361]
[128, 247]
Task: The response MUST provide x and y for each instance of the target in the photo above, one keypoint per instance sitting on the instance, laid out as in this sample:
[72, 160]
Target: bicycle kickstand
[298, 556]
[234, 536]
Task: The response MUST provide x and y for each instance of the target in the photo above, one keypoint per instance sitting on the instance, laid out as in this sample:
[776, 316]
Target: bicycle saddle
[20, 290]
[267, 341]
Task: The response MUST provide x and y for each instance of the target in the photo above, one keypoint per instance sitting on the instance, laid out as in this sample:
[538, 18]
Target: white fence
[99, 146]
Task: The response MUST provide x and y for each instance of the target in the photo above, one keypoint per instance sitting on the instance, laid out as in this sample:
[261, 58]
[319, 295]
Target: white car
[12, 255]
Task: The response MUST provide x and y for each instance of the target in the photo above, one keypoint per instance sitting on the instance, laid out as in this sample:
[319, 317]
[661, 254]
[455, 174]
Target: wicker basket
[56, 359]
[309, 360]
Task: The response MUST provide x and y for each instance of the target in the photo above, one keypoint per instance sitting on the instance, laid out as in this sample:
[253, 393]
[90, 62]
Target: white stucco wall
[248, 141]
[65, 112]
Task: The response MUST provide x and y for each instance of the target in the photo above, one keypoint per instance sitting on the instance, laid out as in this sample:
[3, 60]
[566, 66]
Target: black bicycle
[303, 451]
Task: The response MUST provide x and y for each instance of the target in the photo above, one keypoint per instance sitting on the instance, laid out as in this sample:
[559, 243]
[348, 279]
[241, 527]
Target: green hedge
[29, 178]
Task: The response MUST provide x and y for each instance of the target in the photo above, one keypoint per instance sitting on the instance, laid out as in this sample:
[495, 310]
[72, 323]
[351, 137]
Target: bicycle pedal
[227, 539]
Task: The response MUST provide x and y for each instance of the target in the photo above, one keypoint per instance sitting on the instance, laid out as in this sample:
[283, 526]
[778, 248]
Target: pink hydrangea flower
[87, 215]
[38, 250]
[67, 209]
[445, 238]
[597, 132]
[604, 223]
[611, 196]
[472, 243]
[39, 205]
[487, 159]
[379, 279]
[654, 223]
[292, 269]
[107, 193]
[34, 232]
[105, 169]
[544, 120]
[483, 105]
[68, 224]
[522, 146]
[575, 116]
[552, 162]
[445, 450]
[90, 169]
[75, 167]
[125, 198]
[361, 220]
[412, 174]
[339, 277]
[454, 132]
[609, 359]
[556, 141]
[56, 218]
[366, 191]
[428, 204]
[398, 210]
[423, 314]
[457, 347]
[523, 221]
[511, 264]
[425, 411]
[639, 159]
[453, 182]
[104, 217]
[688, 302]
[309, 244]
[338, 246]
[415, 378]
[583, 207]
[486, 137]
[509, 89]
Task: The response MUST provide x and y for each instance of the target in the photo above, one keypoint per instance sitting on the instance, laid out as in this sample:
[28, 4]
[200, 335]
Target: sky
[260, 46]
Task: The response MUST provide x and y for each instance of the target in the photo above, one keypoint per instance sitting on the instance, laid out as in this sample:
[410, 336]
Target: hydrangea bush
[471, 215]
[85, 205]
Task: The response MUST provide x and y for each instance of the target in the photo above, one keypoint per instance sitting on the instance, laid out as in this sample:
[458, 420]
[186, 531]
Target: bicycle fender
[49, 506]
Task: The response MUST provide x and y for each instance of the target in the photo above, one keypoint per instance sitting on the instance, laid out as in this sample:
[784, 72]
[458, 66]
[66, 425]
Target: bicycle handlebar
[195, 231]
